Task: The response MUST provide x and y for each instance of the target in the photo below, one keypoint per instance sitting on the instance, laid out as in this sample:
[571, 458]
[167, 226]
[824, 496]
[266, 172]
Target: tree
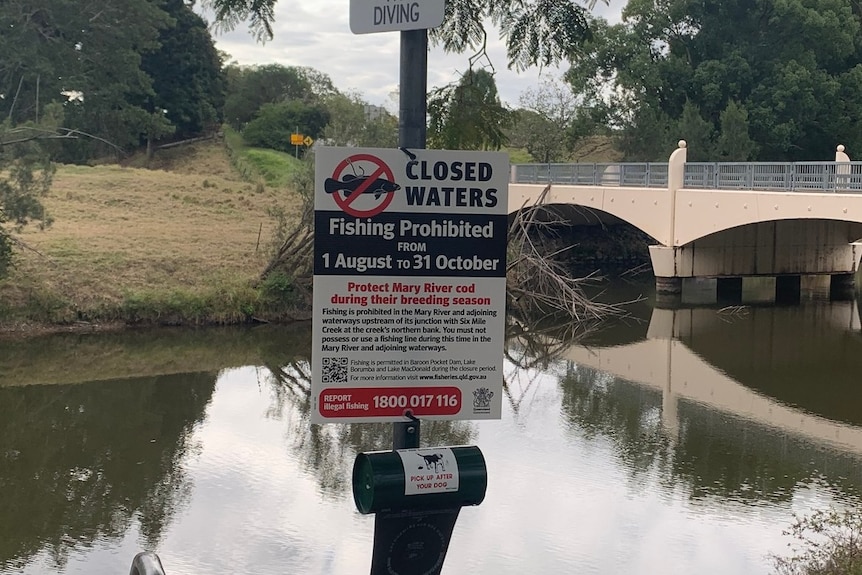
[276, 122]
[734, 143]
[536, 32]
[791, 65]
[249, 88]
[697, 133]
[85, 54]
[544, 120]
[468, 115]
[355, 122]
[186, 72]
[827, 542]
[25, 176]
[115, 66]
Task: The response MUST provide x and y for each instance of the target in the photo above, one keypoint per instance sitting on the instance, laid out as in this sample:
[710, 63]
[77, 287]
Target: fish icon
[350, 183]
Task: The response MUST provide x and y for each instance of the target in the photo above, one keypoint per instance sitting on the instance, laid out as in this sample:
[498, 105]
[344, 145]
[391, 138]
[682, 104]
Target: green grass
[274, 167]
[277, 168]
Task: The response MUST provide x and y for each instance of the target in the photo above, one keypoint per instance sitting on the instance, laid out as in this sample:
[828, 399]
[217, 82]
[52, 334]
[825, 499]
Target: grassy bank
[180, 243]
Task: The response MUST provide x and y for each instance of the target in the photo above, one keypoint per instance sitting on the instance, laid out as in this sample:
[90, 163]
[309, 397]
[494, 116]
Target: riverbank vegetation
[181, 244]
[827, 542]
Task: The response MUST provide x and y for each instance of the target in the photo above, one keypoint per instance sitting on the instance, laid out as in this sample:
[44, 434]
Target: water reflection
[720, 403]
[657, 425]
[79, 462]
[806, 356]
[75, 358]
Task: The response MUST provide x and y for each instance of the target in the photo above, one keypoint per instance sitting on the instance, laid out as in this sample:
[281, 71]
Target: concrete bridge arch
[720, 232]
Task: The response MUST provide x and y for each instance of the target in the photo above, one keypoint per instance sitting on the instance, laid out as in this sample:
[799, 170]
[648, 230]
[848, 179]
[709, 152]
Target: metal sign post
[409, 300]
[412, 109]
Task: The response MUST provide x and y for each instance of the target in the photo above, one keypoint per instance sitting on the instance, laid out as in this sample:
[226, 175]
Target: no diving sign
[367, 16]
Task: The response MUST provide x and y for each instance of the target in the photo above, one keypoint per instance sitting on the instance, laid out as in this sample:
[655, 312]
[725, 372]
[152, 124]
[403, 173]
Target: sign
[296, 139]
[409, 284]
[368, 16]
[431, 470]
[308, 141]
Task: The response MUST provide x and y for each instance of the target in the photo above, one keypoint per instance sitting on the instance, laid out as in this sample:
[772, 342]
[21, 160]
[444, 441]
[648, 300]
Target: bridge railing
[645, 174]
[784, 176]
[841, 177]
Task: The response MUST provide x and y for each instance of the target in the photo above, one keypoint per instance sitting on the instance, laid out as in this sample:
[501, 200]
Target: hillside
[128, 243]
[590, 149]
[596, 149]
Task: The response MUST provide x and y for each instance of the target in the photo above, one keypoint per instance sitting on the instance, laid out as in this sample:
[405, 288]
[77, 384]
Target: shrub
[827, 543]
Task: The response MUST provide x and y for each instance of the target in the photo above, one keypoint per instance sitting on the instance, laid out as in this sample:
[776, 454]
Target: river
[676, 441]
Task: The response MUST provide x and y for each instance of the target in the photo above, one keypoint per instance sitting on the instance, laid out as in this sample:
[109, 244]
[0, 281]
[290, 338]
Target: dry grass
[191, 227]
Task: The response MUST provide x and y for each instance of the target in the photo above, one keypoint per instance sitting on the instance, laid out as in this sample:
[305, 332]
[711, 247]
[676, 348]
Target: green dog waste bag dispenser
[416, 495]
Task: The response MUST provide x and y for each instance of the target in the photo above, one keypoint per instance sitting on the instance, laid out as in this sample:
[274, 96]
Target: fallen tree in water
[538, 283]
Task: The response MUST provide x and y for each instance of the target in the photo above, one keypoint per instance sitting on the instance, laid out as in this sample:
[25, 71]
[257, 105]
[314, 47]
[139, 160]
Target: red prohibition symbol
[358, 193]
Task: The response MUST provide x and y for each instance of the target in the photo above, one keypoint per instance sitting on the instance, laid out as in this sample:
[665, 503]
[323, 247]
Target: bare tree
[544, 119]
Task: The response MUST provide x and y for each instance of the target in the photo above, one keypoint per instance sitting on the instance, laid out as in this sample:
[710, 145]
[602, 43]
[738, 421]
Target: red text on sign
[389, 401]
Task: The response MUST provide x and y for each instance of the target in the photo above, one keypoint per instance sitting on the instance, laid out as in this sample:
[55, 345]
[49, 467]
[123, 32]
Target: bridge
[678, 358]
[718, 219]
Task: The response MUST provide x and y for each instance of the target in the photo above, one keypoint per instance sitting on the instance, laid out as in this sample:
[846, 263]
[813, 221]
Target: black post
[412, 108]
[412, 105]
[405, 434]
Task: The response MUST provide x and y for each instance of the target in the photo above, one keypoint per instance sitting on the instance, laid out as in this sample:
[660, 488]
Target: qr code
[334, 370]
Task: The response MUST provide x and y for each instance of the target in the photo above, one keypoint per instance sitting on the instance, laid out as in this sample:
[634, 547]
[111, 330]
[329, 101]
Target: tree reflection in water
[712, 453]
[82, 465]
[533, 347]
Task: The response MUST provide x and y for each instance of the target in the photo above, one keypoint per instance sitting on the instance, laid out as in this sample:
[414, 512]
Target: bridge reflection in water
[788, 378]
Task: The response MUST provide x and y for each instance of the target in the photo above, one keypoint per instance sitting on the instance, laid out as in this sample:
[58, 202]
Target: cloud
[317, 34]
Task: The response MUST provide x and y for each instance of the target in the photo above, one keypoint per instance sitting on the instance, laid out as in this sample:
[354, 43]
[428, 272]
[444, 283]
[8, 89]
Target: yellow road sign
[297, 139]
[308, 141]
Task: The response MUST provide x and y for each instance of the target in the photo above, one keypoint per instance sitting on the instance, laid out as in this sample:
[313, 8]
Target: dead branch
[36, 133]
[538, 283]
[25, 246]
[732, 311]
[295, 256]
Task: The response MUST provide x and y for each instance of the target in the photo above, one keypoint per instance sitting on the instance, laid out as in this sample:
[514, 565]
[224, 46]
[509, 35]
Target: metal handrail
[840, 177]
[640, 174]
[844, 177]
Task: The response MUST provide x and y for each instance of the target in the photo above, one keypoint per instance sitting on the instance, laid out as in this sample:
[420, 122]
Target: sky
[317, 34]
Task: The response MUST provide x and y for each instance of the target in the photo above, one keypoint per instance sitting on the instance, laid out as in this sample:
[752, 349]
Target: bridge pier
[785, 250]
[668, 285]
[668, 292]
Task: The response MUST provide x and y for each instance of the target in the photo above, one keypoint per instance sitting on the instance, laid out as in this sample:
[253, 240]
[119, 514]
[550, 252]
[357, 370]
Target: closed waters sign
[367, 16]
[409, 284]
